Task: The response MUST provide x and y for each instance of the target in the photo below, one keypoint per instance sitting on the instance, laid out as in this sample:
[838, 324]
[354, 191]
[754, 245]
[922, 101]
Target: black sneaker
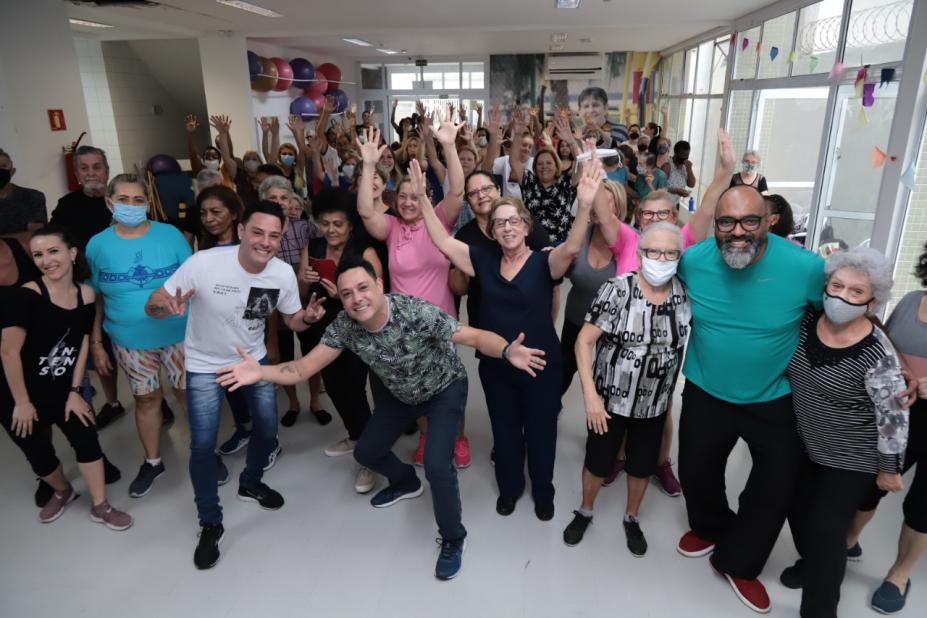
[855, 553]
[505, 505]
[544, 512]
[146, 476]
[792, 576]
[111, 473]
[262, 494]
[322, 417]
[167, 415]
[577, 528]
[391, 495]
[637, 544]
[109, 413]
[272, 458]
[236, 442]
[289, 418]
[207, 549]
[223, 471]
[43, 493]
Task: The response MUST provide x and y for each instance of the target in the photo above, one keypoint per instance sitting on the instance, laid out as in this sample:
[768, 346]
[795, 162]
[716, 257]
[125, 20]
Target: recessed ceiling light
[568, 4]
[387, 51]
[251, 8]
[558, 37]
[360, 42]
[88, 24]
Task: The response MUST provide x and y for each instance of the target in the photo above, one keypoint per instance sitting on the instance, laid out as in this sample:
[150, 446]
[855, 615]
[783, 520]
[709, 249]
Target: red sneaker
[693, 546]
[619, 467]
[418, 457]
[751, 592]
[462, 452]
[667, 481]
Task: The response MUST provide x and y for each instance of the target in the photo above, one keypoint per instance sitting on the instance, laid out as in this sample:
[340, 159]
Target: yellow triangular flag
[793, 56]
[863, 118]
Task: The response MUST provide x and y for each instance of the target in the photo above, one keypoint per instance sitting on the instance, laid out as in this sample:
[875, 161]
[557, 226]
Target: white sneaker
[345, 447]
[365, 480]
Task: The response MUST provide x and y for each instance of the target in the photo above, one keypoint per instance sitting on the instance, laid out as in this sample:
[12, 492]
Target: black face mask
[5, 176]
[633, 135]
[662, 149]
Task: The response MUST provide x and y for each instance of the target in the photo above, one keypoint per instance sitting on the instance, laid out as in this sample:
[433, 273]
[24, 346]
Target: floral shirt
[550, 206]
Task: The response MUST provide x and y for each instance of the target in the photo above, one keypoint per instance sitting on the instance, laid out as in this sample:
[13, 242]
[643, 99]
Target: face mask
[5, 176]
[287, 159]
[749, 167]
[641, 170]
[657, 272]
[662, 149]
[633, 135]
[129, 216]
[840, 311]
[347, 171]
[679, 160]
[212, 164]
[482, 142]
[251, 166]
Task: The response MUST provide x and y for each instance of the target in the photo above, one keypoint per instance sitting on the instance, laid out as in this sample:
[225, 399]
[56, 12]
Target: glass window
[401, 76]
[878, 30]
[818, 34]
[443, 75]
[704, 166]
[472, 75]
[915, 231]
[676, 73]
[691, 58]
[697, 126]
[372, 77]
[719, 64]
[703, 71]
[745, 65]
[777, 33]
[738, 118]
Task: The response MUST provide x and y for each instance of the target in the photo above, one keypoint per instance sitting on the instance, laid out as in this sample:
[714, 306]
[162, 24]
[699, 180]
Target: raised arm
[392, 117]
[562, 256]
[191, 124]
[515, 162]
[274, 140]
[298, 128]
[431, 152]
[374, 221]
[456, 251]
[222, 125]
[494, 128]
[453, 200]
[479, 116]
[700, 222]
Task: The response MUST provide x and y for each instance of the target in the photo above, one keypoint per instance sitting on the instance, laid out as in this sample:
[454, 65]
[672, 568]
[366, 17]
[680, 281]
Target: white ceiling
[429, 27]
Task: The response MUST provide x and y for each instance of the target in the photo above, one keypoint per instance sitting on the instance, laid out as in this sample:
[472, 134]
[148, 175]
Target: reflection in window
[815, 44]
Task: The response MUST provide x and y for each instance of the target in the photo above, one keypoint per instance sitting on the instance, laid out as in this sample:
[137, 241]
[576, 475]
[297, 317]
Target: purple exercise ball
[341, 99]
[254, 65]
[163, 164]
[303, 73]
[304, 107]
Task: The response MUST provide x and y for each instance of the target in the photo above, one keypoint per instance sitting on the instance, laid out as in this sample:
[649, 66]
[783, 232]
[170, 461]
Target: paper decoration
[813, 64]
[878, 157]
[733, 38]
[836, 71]
[759, 47]
[888, 75]
[744, 44]
[907, 179]
[773, 52]
[793, 57]
[868, 95]
[862, 118]
[858, 86]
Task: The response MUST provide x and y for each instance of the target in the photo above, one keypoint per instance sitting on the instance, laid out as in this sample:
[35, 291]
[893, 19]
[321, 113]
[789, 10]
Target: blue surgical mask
[287, 159]
[128, 215]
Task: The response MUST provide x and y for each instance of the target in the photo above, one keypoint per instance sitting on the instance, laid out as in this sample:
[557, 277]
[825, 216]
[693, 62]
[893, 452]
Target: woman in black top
[46, 331]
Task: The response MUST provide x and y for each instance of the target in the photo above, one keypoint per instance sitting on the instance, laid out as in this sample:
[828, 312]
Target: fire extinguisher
[73, 182]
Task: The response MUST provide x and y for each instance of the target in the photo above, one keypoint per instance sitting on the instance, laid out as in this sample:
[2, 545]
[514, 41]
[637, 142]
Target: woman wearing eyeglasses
[515, 302]
[629, 353]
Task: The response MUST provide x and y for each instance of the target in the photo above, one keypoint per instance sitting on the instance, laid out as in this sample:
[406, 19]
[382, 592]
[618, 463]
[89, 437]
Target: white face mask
[840, 311]
[212, 164]
[251, 166]
[347, 171]
[482, 141]
[658, 272]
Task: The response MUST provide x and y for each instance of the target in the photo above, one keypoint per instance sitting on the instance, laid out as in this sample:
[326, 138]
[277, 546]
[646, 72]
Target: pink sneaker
[418, 457]
[54, 508]
[110, 517]
[619, 467]
[667, 481]
[462, 452]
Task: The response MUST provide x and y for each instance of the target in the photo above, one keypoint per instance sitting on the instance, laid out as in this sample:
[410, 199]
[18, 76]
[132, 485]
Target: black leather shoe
[545, 512]
[505, 505]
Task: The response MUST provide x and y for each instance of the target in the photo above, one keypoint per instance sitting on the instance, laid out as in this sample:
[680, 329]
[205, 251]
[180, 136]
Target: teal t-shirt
[659, 182]
[125, 271]
[745, 323]
[618, 175]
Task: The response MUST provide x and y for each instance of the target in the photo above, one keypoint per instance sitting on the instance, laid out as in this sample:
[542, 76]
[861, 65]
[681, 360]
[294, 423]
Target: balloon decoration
[284, 74]
[304, 107]
[341, 99]
[332, 73]
[268, 78]
[303, 73]
[318, 99]
[319, 86]
[254, 65]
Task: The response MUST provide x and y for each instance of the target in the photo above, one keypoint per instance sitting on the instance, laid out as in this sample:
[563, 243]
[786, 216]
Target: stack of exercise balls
[316, 82]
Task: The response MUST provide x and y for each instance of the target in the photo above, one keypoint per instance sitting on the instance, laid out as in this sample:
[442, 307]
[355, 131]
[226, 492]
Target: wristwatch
[75, 389]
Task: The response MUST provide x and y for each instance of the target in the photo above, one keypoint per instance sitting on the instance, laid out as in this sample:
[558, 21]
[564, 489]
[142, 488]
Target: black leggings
[37, 446]
[643, 448]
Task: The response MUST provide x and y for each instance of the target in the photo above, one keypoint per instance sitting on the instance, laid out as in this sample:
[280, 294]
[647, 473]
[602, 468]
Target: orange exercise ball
[268, 78]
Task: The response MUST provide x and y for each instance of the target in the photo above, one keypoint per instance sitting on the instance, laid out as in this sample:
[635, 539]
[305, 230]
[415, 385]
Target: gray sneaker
[55, 505]
[147, 474]
[110, 517]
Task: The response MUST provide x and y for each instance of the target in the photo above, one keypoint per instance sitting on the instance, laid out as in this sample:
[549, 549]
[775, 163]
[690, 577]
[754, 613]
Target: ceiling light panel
[88, 24]
[360, 42]
[251, 8]
[568, 4]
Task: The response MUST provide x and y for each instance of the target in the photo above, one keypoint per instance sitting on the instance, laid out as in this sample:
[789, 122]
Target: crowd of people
[362, 251]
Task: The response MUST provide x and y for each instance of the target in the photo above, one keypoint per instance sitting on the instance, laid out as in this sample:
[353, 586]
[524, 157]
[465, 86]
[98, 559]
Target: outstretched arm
[491, 344]
[494, 128]
[249, 371]
[456, 251]
[223, 125]
[191, 124]
[453, 201]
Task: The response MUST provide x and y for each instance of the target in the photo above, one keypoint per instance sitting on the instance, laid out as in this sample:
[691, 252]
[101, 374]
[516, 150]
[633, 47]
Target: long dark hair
[778, 205]
[80, 271]
[232, 203]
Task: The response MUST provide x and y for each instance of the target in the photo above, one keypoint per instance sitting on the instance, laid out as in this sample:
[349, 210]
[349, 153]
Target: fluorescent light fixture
[568, 4]
[88, 24]
[360, 42]
[558, 37]
[388, 51]
[251, 8]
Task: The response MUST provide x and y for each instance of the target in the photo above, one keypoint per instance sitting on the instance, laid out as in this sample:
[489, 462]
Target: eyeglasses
[671, 255]
[500, 223]
[748, 223]
[661, 215]
[481, 191]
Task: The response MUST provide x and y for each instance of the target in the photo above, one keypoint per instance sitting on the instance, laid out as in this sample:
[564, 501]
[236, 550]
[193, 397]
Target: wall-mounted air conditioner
[575, 66]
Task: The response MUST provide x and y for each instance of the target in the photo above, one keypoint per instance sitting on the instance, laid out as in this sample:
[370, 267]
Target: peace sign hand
[314, 311]
[178, 303]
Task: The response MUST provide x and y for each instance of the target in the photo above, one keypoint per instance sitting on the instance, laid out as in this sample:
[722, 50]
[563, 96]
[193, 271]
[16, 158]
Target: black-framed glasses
[748, 223]
[671, 255]
[660, 215]
[500, 223]
[481, 191]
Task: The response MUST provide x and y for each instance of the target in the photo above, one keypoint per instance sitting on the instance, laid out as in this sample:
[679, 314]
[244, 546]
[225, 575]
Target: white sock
[630, 518]
[584, 512]
[153, 462]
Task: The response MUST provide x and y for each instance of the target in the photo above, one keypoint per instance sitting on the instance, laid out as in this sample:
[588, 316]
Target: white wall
[93, 78]
[39, 71]
[224, 61]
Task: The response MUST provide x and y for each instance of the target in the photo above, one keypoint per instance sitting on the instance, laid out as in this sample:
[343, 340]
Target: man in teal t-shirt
[749, 291]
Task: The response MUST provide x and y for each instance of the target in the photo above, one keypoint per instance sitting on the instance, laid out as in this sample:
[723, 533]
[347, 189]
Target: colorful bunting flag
[793, 57]
[773, 52]
[759, 47]
[878, 157]
[744, 44]
[813, 64]
[888, 75]
[868, 95]
[863, 118]
[907, 179]
[836, 71]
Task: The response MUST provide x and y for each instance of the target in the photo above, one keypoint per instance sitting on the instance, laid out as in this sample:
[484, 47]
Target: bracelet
[96, 341]
[75, 389]
[505, 353]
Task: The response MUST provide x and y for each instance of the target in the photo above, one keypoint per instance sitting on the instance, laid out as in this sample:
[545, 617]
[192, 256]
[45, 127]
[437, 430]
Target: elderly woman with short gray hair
[846, 383]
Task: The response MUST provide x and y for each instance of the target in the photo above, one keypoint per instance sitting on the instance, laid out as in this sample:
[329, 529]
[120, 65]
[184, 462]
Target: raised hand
[465, 132]
[275, 125]
[591, 179]
[351, 113]
[417, 179]
[266, 124]
[494, 124]
[177, 303]
[296, 124]
[248, 371]
[562, 126]
[221, 123]
[447, 132]
[519, 122]
[526, 359]
[369, 149]
[395, 104]
[24, 415]
[314, 310]
[463, 112]
[450, 110]
[78, 407]
[190, 123]
[726, 151]
[420, 108]
[479, 108]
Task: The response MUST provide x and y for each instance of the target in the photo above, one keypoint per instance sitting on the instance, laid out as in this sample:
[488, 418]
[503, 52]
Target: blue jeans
[444, 412]
[204, 407]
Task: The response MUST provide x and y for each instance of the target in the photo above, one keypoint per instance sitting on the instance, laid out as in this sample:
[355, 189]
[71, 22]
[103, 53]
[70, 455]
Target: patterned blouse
[550, 206]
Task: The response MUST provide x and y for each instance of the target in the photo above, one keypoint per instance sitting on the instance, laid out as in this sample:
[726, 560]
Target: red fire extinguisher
[73, 182]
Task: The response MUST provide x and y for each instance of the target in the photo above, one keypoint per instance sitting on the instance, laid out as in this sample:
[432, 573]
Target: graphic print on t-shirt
[58, 359]
[138, 273]
[261, 302]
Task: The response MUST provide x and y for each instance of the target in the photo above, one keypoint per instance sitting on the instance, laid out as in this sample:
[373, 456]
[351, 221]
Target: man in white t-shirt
[231, 292]
[501, 167]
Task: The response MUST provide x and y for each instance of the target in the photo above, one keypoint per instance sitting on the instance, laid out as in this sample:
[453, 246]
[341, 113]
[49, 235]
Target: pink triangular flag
[836, 71]
[878, 157]
[759, 46]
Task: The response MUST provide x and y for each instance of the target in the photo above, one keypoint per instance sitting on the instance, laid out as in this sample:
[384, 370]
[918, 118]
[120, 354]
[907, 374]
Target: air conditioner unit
[575, 66]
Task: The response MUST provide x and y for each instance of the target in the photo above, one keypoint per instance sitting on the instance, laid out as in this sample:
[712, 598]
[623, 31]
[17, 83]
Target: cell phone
[324, 266]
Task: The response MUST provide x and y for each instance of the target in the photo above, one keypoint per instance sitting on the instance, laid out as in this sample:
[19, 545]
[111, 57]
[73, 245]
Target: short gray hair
[207, 178]
[658, 226]
[132, 179]
[90, 150]
[869, 262]
[749, 153]
[274, 182]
